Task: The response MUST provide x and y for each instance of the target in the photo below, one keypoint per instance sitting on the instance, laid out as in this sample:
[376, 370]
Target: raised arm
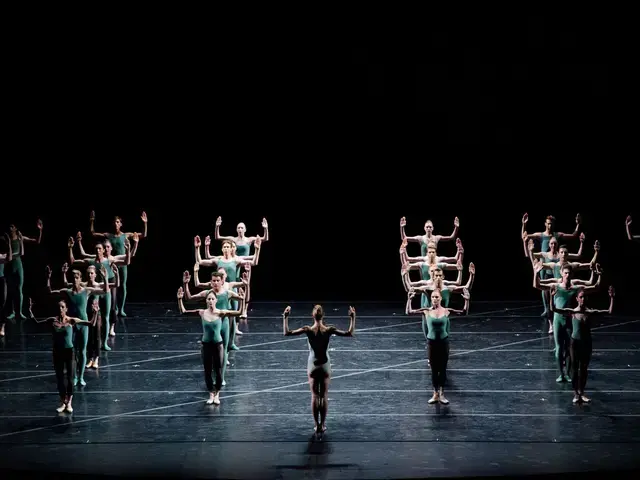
[575, 233]
[51, 291]
[186, 278]
[35, 240]
[196, 278]
[577, 256]
[467, 296]
[594, 287]
[72, 260]
[408, 309]
[403, 236]
[352, 325]
[92, 220]
[181, 305]
[610, 309]
[265, 236]
[454, 234]
[216, 234]
[211, 262]
[627, 224]
[526, 236]
[104, 289]
[285, 325]
[240, 261]
[537, 267]
[82, 252]
[467, 287]
[144, 233]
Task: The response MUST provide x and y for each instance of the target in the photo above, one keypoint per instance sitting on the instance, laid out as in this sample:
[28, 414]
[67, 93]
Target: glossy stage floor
[143, 411]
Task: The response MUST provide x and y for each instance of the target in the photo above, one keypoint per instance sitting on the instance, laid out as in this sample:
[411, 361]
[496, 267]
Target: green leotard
[16, 278]
[78, 308]
[581, 326]
[243, 249]
[229, 267]
[425, 301]
[563, 299]
[211, 330]
[544, 241]
[424, 272]
[222, 303]
[117, 242]
[63, 337]
[424, 245]
[435, 328]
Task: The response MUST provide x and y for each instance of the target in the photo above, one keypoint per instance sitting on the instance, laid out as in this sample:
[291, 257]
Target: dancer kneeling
[435, 326]
[213, 353]
[319, 363]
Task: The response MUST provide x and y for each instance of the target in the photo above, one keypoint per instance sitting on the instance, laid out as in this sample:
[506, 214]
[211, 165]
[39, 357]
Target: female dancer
[564, 292]
[224, 295]
[212, 349]
[435, 327]
[243, 243]
[100, 258]
[3, 285]
[95, 329]
[425, 264]
[438, 282]
[555, 266]
[319, 362]
[14, 270]
[231, 286]
[629, 236]
[117, 241]
[63, 351]
[78, 299]
[230, 264]
[581, 344]
[428, 237]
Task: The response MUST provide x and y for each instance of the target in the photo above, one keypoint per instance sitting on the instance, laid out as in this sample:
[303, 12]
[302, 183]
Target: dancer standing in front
[581, 343]
[319, 362]
[428, 237]
[436, 327]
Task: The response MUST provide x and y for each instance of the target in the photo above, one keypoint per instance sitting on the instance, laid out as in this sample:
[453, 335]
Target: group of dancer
[563, 297]
[435, 295]
[227, 296]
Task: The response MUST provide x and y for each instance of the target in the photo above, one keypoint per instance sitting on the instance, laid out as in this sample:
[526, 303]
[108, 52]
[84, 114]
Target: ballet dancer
[102, 258]
[581, 342]
[14, 271]
[319, 362]
[77, 301]
[626, 225]
[117, 240]
[241, 240]
[4, 258]
[438, 282]
[244, 285]
[425, 264]
[428, 237]
[564, 292]
[213, 351]
[545, 239]
[436, 329]
[63, 351]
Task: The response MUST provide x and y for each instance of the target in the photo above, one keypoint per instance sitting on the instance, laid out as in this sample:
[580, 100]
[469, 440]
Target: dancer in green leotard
[212, 346]
[230, 264]
[224, 296]
[581, 343]
[446, 287]
[436, 329]
[545, 238]
[63, 352]
[14, 271]
[117, 240]
[319, 362]
[100, 258]
[95, 336]
[77, 300]
[627, 224]
[242, 242]
[428, 237]
[431, 261]
[564, 257]
[4, 258]
[564, 292]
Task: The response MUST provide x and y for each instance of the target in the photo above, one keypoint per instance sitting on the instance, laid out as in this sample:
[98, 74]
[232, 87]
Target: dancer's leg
[585, 359]
[114, 311]
[80, 345]
[233, 327]
[432, 351]
[58, 367]
[70, 370]
[559, 330]
[124, 275]
[574, 351]
[207, 363]
[323, 395]
[105, 310]
[224, 331]
[3, 299]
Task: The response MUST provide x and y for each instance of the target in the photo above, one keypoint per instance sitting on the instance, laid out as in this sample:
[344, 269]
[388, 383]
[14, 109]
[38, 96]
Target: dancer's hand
[530, 245]
[180, 293]
[456, 222]
[628, 220]
[264, 223]
[186, 277]
[578, 219]
[207, 241]
[258, 241]
[114, 268]
[352, 312]
[465, 293]
[79, 236]
[612, 292]
[403, 222]
[218, 221]
[143, 217]
[459, 265]
[95, 306]
[405, 268]
[196, 241]
[525, 236]
[48, 270]
[70, 243]
[596, 246]
[103, 271]
[65, 268]
[39, 224]
[136, 237]
[537, 266]
[459, 245]
[92, 216]
[412, 292]
[525, 218]
[286, 312]
[472, 268]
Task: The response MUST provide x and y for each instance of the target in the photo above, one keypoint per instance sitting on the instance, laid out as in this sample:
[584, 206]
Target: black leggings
[63, 359]
[580, 358]
[438, 358]
[212, 358]
[95, 339]
[3, 299]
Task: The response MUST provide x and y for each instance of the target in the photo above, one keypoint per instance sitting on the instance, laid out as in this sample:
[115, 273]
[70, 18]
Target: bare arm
[467, 287]
[123, 259]
[465, 309]
[217, 235]
[352, 325]
[50, 290]
[628, 229]
[144, 233]
[181, 305]
[186, 278]
[536, 278]
[575, 233]
[92, 219]
[610, 309]
[34, 240]
[212, 262]
[454, 234]
[72, 260]
[285, 325]
[403, 236]
[82, 252]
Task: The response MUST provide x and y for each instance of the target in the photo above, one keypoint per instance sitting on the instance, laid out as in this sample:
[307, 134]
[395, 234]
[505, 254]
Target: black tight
[3, 299]
[213, 358]
[95, 339]
[438, 359]
[580, 358]
[63, 359]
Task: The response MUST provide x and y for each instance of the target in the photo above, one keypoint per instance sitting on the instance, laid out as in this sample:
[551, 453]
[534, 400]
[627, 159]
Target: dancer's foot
[122, 314]
[23, 316]
[224, 383]
[216, 398]
[442, 399]
[95, 363]
[544, 314]
[210, 401]
[112, 332]
[90, 364]
[228, 363]
[69, 407]
[2, 330]
[82, 382]
[238, 332]
[62, 406]
[576, 398]
[561, 379]
[234, 347]
[75, 381]
[11, 316]
[585, 399]
[434, 399]
[106, 347]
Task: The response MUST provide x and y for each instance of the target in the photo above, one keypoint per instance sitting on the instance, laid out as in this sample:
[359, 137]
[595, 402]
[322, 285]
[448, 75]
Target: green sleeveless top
[243, 249]
[222, 302]
[63, 337]
[581, 326]
[107, 265]
[423, 246]
[437, 328]
[117, 242]
[229, 267]
[544, 247]
[78, 304]
[211, 330]
[15, 247]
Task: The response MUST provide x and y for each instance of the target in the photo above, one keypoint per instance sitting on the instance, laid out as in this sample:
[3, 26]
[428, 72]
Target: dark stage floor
[143, 411]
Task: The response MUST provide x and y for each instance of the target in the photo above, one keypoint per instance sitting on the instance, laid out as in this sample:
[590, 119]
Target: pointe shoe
[576, 398]
[69, 408]
[433, 399]
[90, 364]
[112, 332]
[442, 399]
[210, 401]
[585, 399]
[95, 363]
[61, 408]
[216, 398]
